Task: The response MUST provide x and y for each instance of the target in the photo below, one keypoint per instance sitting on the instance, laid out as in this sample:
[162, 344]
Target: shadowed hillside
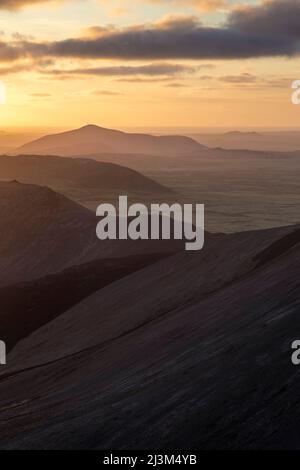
[192, 352]
[77, 173]
[43, 232]
[28, 305]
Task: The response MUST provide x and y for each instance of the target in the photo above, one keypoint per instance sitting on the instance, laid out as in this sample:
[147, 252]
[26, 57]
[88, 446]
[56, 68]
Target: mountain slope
[28, 305]
[43, 232]
[170, 284]
[193, 352]
[78, 173]
[92, 139]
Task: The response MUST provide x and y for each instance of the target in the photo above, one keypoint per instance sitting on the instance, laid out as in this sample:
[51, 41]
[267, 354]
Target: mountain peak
[91, 139]
[90, 126]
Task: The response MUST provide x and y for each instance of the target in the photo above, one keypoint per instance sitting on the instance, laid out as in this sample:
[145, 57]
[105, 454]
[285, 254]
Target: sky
[149, 63]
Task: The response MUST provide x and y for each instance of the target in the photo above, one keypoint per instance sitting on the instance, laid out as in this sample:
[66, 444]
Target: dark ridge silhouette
[278, 248]
[27, 306]
[93, 139]
[78, 173]
[242, 134]
[43, 232]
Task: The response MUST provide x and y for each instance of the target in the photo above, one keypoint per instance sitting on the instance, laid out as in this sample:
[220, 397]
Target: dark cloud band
[267, 30]
[151, 70]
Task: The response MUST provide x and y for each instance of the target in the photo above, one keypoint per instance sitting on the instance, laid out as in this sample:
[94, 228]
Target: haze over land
[242, 189]
[253, 139]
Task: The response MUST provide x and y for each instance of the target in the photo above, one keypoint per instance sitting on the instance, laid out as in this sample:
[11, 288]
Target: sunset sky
[149, 63]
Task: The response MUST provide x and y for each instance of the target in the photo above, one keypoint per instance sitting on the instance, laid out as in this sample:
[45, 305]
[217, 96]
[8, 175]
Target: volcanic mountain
[43, 232]
[192, 352]
[92, 139]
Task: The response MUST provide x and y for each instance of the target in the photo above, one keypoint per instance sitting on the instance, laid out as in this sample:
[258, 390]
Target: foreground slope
[93, 139]
[193, 352]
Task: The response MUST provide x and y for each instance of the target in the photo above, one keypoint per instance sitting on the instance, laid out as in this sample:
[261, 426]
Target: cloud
[257, 81]
[12, 69]
[267, 30]
[25, 66]
[242, 78]
[106, 93]
[270, 29]
[40, 95]
[18, 4]
[176, 22]
[203, 5]
[250, 81]
[136, 80]
[22, 37]
[97, 31]
[10, 53]
[123, 70]
[272, 17]
[175, 85]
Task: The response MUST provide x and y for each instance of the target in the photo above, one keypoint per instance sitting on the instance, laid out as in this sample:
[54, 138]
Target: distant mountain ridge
[92, 139]
[242, 134]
